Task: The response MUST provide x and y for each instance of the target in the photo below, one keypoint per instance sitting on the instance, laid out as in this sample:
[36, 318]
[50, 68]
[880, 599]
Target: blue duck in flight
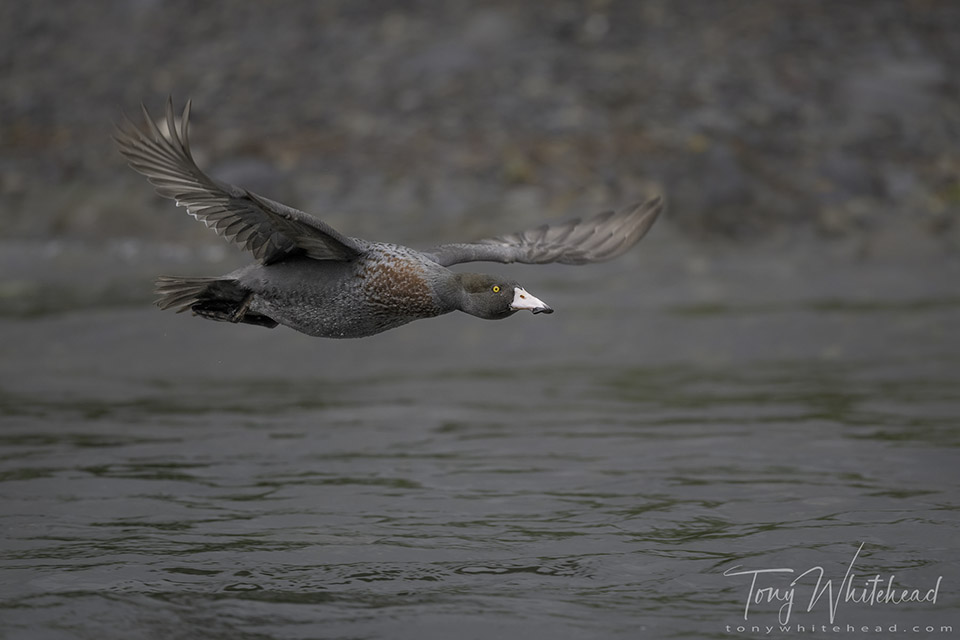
[316, 280]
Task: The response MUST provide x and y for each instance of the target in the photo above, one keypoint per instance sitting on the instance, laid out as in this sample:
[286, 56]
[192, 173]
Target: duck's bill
[524, 301]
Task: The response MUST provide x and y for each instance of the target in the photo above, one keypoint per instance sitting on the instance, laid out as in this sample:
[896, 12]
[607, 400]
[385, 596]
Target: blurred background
[820, 125]
[769, 379]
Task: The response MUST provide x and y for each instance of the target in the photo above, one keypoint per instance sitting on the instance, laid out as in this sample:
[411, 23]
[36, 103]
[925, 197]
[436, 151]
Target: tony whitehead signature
[874, 590]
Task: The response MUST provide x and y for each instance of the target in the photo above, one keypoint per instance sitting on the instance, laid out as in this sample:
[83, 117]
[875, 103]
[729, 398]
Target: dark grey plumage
[312, 278]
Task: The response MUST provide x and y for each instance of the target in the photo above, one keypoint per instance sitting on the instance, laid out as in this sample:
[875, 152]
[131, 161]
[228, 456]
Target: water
[589, 474]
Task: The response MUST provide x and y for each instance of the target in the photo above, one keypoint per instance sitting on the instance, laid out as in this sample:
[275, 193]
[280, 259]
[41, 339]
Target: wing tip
[652, 207]
[643, 214]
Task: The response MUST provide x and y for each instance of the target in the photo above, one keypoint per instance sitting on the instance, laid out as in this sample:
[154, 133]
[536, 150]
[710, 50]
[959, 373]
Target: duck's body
[386, 287]
[313, 279]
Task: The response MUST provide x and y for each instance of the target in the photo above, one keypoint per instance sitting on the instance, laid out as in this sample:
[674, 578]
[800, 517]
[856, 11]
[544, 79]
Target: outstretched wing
[269, 230]
[598, 238]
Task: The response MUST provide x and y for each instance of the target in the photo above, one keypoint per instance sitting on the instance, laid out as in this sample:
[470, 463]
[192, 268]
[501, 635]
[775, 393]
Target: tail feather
[181, 293]
[221, 299]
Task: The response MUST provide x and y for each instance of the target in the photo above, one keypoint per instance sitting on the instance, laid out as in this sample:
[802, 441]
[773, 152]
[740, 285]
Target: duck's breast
[395, 281]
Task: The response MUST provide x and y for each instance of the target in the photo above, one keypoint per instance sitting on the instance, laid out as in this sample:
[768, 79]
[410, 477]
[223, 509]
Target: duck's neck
[453, 291]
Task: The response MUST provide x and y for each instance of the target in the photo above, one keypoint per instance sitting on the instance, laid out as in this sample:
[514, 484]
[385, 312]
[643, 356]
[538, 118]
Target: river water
[590, 474]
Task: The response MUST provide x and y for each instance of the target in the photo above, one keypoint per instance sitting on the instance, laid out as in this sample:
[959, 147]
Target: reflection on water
[176, 479]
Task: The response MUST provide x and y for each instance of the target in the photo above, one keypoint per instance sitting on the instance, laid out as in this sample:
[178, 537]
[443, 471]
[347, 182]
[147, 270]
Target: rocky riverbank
[787, 121]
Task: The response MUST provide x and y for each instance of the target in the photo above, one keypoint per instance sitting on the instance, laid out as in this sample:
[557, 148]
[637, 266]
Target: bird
[311, 278]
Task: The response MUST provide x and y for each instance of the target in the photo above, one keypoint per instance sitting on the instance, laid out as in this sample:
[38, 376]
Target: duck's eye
[496, 288]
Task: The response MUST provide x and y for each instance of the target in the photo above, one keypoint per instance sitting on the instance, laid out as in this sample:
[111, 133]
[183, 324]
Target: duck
[311, 278]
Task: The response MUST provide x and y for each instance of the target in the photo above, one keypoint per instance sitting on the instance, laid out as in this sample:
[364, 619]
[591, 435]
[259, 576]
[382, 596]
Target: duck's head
[494, 298]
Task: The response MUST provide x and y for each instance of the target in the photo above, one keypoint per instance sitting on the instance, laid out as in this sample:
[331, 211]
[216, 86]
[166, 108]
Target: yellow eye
[496, 288]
